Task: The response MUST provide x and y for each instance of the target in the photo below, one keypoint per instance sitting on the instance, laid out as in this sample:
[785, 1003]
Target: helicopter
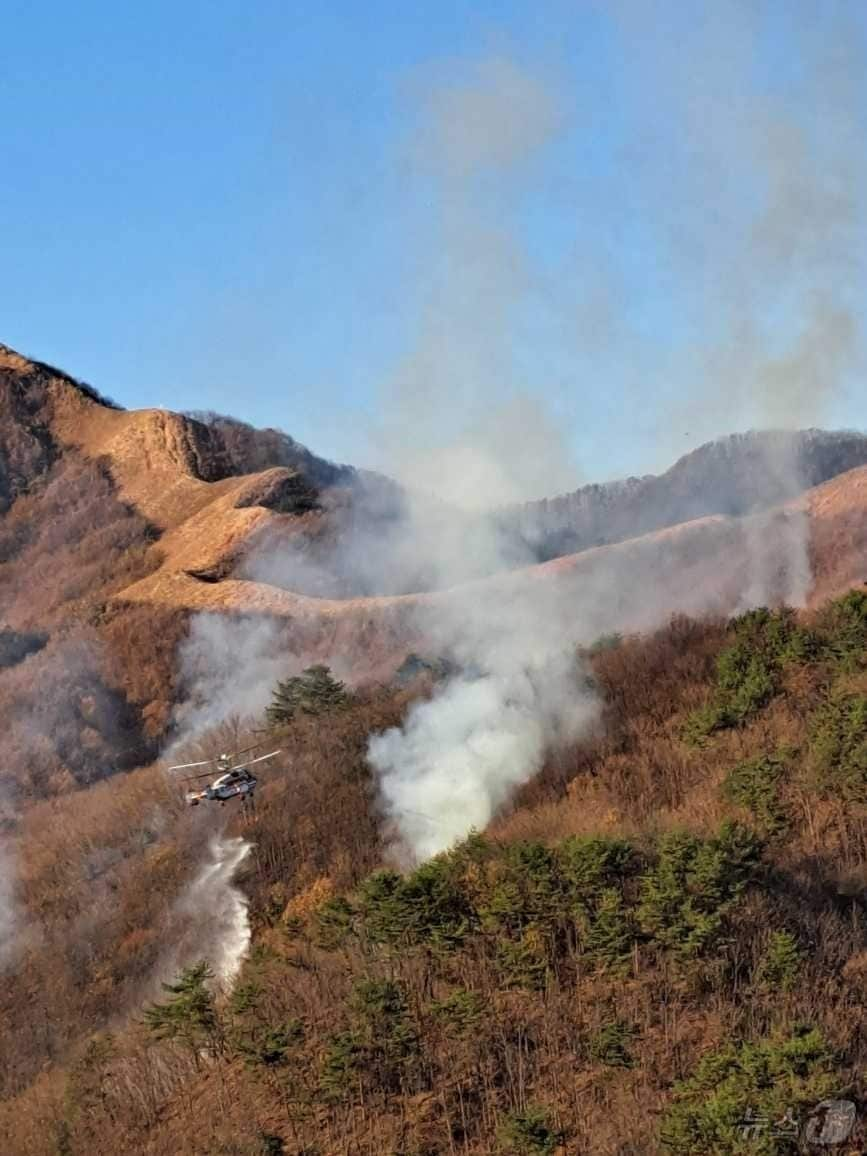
[234, 780]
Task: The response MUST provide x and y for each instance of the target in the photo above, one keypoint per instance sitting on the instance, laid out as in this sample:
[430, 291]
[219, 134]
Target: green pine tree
[609, 935]
[528, 1133]
[747, 1080]
[315, 691]
[610, 1045]
[780, 966]
[190, 1016]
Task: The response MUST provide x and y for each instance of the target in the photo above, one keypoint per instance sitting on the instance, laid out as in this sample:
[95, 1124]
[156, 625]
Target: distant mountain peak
[733, 475]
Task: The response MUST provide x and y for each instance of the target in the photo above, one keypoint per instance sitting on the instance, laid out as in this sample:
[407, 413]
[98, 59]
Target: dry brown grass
[87, 490]
[316, 832]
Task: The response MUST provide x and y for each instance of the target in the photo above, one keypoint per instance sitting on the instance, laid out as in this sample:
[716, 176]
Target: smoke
[229, 667]
[758, 214]
[385, 541]
[756, 203]
[458, 419]
[461, 754]
[786, 339]
[775, 341]
[736, 305]
[459, 424]
[74, 729]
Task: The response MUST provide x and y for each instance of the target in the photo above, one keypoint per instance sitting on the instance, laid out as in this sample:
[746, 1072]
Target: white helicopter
[234, 781]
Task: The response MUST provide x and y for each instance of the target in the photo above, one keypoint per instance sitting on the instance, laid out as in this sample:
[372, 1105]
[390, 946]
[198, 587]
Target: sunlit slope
[176, 473]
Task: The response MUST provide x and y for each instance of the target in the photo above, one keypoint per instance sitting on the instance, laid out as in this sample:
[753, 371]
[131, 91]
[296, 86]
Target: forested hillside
[660, 933]
[663, 937]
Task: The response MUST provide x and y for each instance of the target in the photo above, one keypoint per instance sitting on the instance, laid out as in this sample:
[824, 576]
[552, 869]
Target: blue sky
[244, 207]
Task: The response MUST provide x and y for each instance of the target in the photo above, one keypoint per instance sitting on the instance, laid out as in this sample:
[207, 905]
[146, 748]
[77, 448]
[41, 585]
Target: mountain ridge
[737, 474]
[135, 623]
[163, 509]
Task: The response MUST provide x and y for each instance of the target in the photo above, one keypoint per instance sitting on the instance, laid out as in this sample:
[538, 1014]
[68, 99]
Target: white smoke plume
[458, 419]
[460, 425]
[460, 755]
[229, 667]
[756, 206]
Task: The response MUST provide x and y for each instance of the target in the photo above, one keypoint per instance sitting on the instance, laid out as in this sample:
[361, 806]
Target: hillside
[121, 525]
[623, 961]
[664, 933]
[738, 475]
[95, 499]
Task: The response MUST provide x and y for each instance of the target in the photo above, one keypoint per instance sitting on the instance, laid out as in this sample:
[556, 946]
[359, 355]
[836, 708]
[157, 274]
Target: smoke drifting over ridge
[460, 755]
[750, 208]
[784, 340]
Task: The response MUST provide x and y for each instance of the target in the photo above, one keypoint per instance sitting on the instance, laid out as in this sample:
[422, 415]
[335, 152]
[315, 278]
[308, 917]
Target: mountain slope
[119, 528]
[713, 565]
[736, 475]
[657, 937]
[118, 521]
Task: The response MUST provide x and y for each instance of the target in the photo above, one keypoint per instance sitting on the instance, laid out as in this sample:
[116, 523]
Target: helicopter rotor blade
[186, 766]
[261, 759]
[247, 750]
[195, 778]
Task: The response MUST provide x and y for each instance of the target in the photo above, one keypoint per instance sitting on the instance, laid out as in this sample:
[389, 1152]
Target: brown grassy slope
[168, 467]
[712, 565]
[87, 690]
[176, 473]
[838, 534]
[317, 835]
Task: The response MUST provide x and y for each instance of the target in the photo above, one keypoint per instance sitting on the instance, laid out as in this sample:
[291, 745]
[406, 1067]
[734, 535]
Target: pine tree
[190, 1016]
[315, 691]
[528, 1133]
[610, 1045]
[781, 964]
[609, 936]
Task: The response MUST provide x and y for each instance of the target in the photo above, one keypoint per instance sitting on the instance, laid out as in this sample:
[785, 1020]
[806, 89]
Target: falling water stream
[224, 905]
[213, 917]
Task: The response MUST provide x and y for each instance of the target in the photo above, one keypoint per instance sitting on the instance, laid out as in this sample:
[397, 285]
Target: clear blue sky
[230, 205]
